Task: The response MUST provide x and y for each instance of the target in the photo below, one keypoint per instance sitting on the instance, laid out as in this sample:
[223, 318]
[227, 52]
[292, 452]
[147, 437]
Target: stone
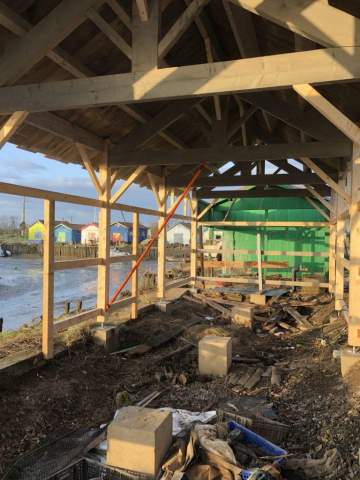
[165, 306]
[215, 355]
[258, 298]
[348, 359]
[138, 440]
[242, 316]
[106, 336]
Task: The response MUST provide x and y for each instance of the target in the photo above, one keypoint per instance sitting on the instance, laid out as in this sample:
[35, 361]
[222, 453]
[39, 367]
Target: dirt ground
[79, 388]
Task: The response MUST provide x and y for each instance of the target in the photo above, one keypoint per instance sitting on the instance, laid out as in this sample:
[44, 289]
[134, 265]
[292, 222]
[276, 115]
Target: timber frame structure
[144, 91]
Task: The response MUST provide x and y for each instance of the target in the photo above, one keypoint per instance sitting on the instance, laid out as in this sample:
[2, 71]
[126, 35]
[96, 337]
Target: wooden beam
[48, 280]
[264, 224]
[332, 243]
[180, 26]
[322, 200]
[120, 12]
[11, 125]
[326, 108]
[354, 274]
[124, 187]
[143, 9]
[103, 280]
[340, 250]
[326, 178]
[145, 132]
[259, 193]
[109, 32]
[261, 73]
[273, 283]
[315, 20]
[89, 167]
[259, 262]
[135, 277]
[193, 240]
[154, 189]
[248, 180]
[206, 209]
[145, 38]
[318, 208]
[19, 190]
[24, 52]
[62, 128]
[227, 154]
[161, 263]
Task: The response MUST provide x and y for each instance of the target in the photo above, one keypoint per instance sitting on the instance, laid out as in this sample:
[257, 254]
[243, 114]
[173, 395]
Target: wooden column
[161, 243]
[48, 280]
[259, 262]
[340, 250]
[354, 277]
[332, 243]
[193, 240]
[104, 239]
[135, 277]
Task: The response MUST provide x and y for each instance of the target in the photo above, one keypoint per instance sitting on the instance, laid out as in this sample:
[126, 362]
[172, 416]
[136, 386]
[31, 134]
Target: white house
[90, 234]
[179, 233]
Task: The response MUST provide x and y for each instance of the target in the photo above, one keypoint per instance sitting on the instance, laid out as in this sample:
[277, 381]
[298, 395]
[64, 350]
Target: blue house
[65, 232]
[121, 232]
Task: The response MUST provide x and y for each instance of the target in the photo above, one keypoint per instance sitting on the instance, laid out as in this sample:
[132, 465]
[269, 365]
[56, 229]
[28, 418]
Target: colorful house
[36, 231]
[90, 234]
[179, 234]
[68, 232]
[121, 232]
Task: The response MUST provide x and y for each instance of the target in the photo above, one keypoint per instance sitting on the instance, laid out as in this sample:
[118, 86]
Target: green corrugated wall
[273, 238]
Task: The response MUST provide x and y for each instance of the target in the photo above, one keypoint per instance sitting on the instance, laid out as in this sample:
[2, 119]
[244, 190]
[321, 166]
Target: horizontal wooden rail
[264, 224]
[124, 302]
[12, 189]
[254, 281]
[177, 283]
[264, 252]
[80, 263]
[76, 319]
[122, 258]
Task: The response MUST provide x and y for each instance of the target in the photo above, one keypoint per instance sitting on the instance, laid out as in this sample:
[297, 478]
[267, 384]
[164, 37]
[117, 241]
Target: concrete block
[138, 439]
[165, 306]
[348, 360]
[106, 336]
[242, 316]
[215, 355]
[258, 298]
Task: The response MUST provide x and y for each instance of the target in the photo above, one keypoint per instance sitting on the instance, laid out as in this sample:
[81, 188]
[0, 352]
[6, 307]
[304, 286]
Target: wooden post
[340, 250]
[193, 241]
[135, 277]
[48, 280]
[332, 242]
[354, 277]
[104, 239]
[162, 243]
[259, 261]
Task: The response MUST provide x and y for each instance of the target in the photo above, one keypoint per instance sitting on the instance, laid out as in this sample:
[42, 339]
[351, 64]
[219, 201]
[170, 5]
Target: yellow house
[36, 230]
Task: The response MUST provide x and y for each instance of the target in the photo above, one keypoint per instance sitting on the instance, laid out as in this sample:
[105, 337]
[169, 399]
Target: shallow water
[21, 287]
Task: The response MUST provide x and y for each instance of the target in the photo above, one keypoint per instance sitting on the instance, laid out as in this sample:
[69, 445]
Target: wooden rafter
[259, 193]
[206, 209]
[227, 154]
[143, 9]
[127, 184]
[315, 194]
[315, 20]
[327, 179]
[89, 167]
[11, 126]
[23, 53]
[120, 12]
[258, 179]
[154, 189]
[261, 73]
[326, 108]
[109, 32]
[318, 208]
[180, 26]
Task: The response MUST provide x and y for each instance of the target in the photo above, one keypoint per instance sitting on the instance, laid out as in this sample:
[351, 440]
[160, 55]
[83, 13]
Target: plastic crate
[252, 438]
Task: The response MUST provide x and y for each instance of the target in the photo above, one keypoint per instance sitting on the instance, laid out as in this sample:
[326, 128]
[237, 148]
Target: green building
[276, 239]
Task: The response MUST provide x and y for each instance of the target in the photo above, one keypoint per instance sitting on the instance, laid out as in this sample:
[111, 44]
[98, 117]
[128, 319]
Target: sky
[34, 170]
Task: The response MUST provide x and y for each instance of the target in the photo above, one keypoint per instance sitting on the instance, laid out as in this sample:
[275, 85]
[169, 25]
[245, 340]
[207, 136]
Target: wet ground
[21, 287]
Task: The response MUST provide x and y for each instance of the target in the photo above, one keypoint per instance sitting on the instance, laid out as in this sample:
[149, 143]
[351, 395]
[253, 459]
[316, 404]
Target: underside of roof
[245, 119]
